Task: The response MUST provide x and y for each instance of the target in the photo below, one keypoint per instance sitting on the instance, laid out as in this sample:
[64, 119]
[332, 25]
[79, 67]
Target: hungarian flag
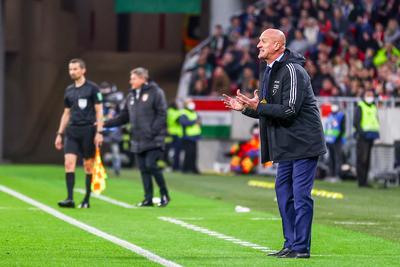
[99, 174]
[216, 119]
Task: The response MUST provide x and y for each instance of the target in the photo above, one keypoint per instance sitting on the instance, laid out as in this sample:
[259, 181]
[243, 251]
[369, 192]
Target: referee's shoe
[68, 203]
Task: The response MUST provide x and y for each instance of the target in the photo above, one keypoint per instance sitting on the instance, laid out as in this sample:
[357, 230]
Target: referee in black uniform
[77, 133]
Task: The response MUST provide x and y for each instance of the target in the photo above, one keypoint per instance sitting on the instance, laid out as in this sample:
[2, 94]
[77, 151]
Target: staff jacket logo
[145, 97]
[275, 87]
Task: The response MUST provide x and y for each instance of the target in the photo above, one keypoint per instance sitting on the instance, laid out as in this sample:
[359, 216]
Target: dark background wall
[40, 38]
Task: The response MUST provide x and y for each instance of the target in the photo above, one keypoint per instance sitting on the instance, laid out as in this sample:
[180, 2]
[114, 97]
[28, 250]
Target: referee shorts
[79, 140]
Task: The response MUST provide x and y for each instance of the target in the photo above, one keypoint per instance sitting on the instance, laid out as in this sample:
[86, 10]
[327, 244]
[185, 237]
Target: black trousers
[190, 159]
[147, 162]
[335, 158]
[363, 147]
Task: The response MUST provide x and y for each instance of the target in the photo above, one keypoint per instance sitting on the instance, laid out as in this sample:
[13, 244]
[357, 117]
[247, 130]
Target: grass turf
[31, 237]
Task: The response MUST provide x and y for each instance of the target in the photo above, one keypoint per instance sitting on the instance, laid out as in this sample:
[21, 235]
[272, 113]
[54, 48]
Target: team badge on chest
[145, 97]
[82, 103]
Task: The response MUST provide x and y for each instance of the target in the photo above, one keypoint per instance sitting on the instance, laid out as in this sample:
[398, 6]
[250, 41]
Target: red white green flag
[216, 119]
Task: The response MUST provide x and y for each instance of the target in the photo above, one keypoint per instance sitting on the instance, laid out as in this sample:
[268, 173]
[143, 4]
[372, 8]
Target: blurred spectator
[219, 41]
[383, 54]
[367, 130]
[248, 82]
[327, 87]
[198, 89]
[335, 129]
[175, 133]
[249, 14]
[379, 33]
[311, 31]
[340, 71]
[269, 15]
[220, 82]
[286, 27]
[339, 22]
[234, 28]
[199, 78]
[231, 66]
[299, 44]
[392, 33]
[190, 122]
[245, 155]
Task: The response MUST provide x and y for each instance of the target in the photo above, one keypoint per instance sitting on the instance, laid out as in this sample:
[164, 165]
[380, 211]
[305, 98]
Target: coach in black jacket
[146, 108]
[291, 134]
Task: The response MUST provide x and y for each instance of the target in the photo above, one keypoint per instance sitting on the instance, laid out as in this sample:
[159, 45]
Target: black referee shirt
[81, 100]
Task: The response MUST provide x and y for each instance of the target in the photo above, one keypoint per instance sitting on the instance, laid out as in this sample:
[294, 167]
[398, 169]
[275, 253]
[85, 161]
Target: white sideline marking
[215, 234]
[108, 199]
[265, 219]
[90, 229]
[356, 223]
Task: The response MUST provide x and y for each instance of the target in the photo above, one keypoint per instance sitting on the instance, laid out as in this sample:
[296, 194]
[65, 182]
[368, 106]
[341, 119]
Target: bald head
[275, 35]
[271, 45]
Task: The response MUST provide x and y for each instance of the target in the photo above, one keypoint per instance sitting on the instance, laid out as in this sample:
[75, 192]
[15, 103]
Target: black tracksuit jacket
[147, 116]
[290, 123]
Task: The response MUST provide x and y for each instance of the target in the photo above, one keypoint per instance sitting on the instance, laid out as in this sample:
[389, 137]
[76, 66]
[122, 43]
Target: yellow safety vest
[369, 117]
[173, 125]
[195, 129]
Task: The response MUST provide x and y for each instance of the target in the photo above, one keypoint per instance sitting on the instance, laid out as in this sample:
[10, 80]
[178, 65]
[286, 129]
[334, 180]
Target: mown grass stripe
[90, 229]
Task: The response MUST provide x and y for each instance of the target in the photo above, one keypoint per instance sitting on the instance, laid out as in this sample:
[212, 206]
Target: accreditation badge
[82, 103]
[145, 97]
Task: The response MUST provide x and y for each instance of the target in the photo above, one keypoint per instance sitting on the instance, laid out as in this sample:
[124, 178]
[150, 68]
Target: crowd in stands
[350, 47]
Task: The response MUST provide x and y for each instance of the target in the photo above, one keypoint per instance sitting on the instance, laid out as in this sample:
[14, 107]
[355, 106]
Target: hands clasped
[241, 101]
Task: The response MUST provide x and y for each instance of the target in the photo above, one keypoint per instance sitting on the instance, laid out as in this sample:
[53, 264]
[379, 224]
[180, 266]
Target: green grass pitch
[363, 229]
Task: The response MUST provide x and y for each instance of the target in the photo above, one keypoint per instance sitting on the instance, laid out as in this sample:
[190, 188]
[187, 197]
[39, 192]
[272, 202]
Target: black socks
[88, 187]
[70, 180]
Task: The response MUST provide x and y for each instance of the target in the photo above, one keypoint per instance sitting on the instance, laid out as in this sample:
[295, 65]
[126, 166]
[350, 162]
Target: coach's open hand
[232, 103]
[250, 103]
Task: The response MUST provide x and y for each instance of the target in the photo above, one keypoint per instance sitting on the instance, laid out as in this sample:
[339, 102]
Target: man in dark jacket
[290, 133]
[145, 108]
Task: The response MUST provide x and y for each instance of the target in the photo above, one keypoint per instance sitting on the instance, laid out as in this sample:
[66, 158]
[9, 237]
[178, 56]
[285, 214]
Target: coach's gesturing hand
[232, 103]
[250, 103]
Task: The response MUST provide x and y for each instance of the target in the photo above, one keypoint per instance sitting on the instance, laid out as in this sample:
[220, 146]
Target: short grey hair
[141, 72]
[80, 61]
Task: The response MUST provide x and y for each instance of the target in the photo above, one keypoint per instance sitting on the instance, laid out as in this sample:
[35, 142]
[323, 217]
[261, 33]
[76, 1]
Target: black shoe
[283, 251]
[295, 255]
[145, 203]
[68, 203]
[84, 205]
[164, 201]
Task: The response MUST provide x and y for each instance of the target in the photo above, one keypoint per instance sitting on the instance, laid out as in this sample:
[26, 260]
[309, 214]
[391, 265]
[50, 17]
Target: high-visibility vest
[333, 127]
[173, 125]
[195, 129]
[369, 117]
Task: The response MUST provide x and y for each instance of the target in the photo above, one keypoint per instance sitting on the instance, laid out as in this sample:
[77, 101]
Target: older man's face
[136, 81]
[266, 47]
